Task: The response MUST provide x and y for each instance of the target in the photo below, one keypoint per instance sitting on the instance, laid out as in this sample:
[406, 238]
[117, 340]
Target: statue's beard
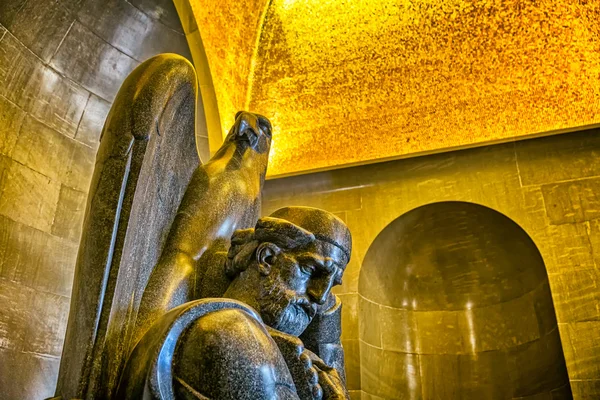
[282, 309]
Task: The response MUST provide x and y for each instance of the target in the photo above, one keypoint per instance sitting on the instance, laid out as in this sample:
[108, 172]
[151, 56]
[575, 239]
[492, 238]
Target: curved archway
[455, 303]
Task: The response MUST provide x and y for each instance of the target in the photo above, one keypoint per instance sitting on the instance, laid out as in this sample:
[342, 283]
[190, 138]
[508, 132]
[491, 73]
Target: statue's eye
[307, 269]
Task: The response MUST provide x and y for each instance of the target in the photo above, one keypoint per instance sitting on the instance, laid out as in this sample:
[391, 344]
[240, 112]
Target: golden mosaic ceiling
[347, 82]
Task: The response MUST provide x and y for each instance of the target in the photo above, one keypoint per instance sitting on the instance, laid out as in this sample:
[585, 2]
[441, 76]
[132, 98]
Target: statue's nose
[319, 289]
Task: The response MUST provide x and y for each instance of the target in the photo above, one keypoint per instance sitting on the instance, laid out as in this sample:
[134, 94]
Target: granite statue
[181, 290]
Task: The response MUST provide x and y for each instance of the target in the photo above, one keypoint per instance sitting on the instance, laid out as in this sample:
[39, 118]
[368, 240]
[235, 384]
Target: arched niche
[455, 304]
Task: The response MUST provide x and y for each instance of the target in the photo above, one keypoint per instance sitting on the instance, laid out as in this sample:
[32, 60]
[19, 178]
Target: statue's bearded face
[299, 281]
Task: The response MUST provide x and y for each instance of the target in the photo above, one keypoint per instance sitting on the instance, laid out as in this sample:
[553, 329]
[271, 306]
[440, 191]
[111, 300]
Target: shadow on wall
[455, 304]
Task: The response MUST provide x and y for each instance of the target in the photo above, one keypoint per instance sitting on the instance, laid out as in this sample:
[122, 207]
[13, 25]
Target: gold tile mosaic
[351, 81]
[229, 30]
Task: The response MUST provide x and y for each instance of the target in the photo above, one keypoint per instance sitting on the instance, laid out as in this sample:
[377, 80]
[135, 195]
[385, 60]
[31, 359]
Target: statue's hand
[329, 379]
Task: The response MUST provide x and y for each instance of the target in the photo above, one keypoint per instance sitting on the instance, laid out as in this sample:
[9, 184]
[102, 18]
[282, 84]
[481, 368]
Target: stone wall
[61, 64]
[549, 186]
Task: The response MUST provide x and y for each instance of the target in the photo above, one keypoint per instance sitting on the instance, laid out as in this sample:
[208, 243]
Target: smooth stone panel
[352, 363]
[86, 58]
[92, 121]
[41, 25]
[37, 322]
[577, 295]
[9, 10]
[581, 349]
[27, 196]
[467, 376]
[69, 214]
[399, 330]
[573, 159]
[28, 83]
[330, 201]
[369, 318]
[129, 30]
[27, 376]
[44, 150]
[538, 366]
[399, 376]
[81, 168]
[349, 315]
[370, 360]
[585, 389]
[36, 259]
[574, 201]
[11, 118]
[569, 248]
[504, 325]
[544, 309]
[439, 333]
[563, 393]
[160, 10]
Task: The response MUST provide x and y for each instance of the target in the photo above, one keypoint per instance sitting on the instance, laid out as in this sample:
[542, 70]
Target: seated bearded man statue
[275, 334]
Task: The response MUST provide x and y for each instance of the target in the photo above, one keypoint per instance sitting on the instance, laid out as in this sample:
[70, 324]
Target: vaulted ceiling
[348, 82]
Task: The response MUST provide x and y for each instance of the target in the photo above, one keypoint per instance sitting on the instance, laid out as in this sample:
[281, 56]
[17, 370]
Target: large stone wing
[145, 161]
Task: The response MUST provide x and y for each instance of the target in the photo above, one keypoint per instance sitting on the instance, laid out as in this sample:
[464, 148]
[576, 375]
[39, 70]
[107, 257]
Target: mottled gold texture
[347, 82]
[229, 30]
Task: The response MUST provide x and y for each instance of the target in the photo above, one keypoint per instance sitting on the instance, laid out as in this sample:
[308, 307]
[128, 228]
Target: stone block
[567, 248]
[69, 214]
[399, 330]
[330, 201]
[573, 201]
[58, 157]
[559, 158]
[86, 58]
[92, 121]
[11, 118]
[27, 196]
[28, 83]
[349, 316]
[369, 322]
[588, 389]
[439, 332]
[544, 309]
[399, 376]
[81, 168]
[577, 295]
[9, 10]
[352, 361]
[27, 376]
[130, 30]
[43, 149]
[370, 360]
[160, 10]
[581, 349]
[36, 259]
[37, 321]
[537, 366]
[501, 326]
[41, 25]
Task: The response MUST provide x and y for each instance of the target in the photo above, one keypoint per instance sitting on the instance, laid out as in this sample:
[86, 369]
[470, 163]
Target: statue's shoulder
[208, 342]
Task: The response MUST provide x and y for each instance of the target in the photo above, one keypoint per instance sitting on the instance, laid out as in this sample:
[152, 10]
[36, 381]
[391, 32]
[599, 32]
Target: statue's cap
[322, 224]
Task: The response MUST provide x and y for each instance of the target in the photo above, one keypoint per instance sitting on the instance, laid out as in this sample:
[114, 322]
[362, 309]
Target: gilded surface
[229, 32]
[357, 81]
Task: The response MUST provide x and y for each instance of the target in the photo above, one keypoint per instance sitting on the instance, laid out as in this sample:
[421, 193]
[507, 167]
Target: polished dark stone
[137, 328]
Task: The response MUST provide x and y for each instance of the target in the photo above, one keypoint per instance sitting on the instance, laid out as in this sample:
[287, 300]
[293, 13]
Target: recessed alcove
[454, 303]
